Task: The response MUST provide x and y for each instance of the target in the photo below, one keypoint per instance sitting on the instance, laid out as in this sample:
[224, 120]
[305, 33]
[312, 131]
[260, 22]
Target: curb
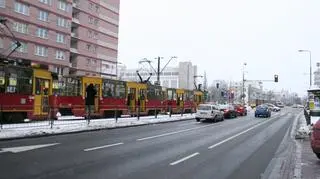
[88, 130]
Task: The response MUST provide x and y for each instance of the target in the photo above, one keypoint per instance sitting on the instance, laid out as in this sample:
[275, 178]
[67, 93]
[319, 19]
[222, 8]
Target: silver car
[209, 111]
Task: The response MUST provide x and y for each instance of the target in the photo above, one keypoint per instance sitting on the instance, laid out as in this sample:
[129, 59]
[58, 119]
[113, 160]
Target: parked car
[209, 111]
[273, 107]
[229, 111]
[315, 138]
[262, 110]
[241, 110]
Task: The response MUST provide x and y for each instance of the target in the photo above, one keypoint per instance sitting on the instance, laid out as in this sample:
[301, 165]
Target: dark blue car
[262, 110]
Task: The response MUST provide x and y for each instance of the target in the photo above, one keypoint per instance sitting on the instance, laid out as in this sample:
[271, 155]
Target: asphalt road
[236, 148]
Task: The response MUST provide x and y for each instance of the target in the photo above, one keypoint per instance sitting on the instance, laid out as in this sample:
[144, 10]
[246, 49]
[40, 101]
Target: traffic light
[217, 85]
[276, 78]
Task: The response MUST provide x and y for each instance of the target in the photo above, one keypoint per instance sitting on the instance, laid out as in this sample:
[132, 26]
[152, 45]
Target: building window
[42, 33]
[23, 48]
[45, 2]
[20, 27]
[41, 51]
[3, 3]
[62, 22]
[88, 47]
[21, 8]
[43, 15]
[90, 6]
[88, 61]
[89, 33]
[97, 8]
[62, 5]
[90, 20]
[96, 21]
[94, 48]
[60, 55]
[93, 62]
[60, 38]
[1, 42]
[95, 35]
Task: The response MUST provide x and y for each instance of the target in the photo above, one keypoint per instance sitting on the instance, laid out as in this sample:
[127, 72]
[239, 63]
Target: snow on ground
[66, 126]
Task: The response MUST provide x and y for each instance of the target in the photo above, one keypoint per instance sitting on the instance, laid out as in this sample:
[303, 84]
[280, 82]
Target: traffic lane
[109, 136]
[57, 158]
[241, 157]
[127, 159]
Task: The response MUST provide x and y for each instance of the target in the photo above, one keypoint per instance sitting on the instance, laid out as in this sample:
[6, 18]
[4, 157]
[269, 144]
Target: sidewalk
[307, 163]
[43, 128]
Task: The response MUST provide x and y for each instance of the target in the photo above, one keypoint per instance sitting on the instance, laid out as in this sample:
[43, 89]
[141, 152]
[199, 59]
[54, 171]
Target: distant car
[229, 111]
[315, 138]
[241, 110]
[273, 107]
[280, 105]
[209, 111]
[262, 110]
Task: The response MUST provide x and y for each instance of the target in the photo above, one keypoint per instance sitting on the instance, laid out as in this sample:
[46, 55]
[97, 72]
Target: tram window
[170, 94]
[2, 81]
[121, 90]
[151, 93]
[24, 86]
[69, 87]
[38, 86]
[108, 88]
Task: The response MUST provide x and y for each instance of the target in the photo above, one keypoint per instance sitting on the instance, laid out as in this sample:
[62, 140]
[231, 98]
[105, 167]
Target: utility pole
[158, 71]
[188, 76]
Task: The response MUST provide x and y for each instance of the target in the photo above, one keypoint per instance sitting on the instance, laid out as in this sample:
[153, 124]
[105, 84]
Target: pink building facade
[71, 36]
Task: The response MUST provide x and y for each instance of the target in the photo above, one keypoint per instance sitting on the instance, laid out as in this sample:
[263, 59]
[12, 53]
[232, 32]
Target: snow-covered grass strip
[66, 126]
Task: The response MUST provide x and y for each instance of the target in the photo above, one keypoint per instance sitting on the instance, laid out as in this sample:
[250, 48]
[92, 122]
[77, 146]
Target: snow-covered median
[68, 126]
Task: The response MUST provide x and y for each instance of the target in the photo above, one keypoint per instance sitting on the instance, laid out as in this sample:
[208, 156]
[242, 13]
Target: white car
[209, 111]
[273, 107]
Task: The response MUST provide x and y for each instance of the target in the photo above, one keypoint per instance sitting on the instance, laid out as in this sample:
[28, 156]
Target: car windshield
[204, 108]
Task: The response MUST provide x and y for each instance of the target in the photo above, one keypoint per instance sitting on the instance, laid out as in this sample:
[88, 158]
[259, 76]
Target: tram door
[97, 82]
[132, 95]
[142, 98]
[42, 90]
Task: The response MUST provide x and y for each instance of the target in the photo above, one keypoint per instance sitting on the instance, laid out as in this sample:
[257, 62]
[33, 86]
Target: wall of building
[89, 29]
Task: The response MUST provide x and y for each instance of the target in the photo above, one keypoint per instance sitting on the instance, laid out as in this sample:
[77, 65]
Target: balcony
[75, 20]
[108, 45]
[103, 30]
[113, 21]
[108, 6]
[73, 50]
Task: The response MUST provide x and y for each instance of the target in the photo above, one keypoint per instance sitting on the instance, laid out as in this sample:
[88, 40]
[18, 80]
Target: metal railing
[106, 115]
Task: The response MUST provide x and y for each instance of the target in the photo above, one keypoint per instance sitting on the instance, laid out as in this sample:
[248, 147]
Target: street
[235, 148]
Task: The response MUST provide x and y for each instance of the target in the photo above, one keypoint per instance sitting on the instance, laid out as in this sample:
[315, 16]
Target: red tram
[37, 94]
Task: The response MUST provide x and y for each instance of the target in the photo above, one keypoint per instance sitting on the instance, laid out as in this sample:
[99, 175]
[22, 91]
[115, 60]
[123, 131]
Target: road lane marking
[184, 159]
[25, 148]
[232, 137]
[176, 132]
[102, 147]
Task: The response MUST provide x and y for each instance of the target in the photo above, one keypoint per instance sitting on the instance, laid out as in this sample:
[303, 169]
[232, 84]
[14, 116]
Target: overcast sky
[220, 35]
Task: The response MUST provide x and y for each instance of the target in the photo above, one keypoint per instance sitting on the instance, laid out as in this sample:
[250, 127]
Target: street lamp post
[310, 64]
[243, 80]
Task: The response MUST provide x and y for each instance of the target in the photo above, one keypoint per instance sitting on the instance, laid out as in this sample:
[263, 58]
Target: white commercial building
[171, 77]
